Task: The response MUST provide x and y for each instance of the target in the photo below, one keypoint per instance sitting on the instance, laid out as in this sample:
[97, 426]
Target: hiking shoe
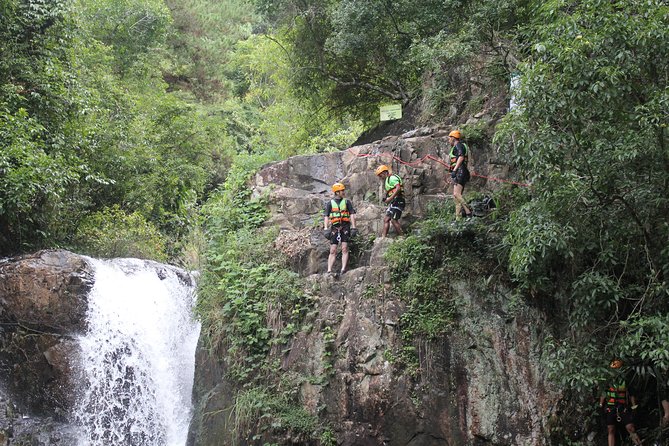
[344, 271]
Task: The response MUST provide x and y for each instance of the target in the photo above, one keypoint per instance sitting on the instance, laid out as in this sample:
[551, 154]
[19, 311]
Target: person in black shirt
[619, 405]
[339, 226]
[459, 172]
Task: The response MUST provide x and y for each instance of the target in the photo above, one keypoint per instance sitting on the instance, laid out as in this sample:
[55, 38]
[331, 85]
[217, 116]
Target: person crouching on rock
[392, 184]
[339, 226]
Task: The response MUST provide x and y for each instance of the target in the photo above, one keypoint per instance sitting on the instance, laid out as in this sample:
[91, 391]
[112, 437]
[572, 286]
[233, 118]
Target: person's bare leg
[386, 226]
[611, 430]
[344, 256]
[459, 201]
[397, 226]
[332, 257]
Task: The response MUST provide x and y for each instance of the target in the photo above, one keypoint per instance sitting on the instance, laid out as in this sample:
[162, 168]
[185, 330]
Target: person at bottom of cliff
[339, 224]
[664, 401]
[619, 405]
[394, 198]
[459, 172]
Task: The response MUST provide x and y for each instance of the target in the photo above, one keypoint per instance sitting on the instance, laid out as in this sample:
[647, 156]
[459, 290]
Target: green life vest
[616, 394]
[454, 159]
[390, 185]
[339, 213]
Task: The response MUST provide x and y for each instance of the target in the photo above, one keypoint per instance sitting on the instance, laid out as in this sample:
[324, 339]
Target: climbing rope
[426, 158]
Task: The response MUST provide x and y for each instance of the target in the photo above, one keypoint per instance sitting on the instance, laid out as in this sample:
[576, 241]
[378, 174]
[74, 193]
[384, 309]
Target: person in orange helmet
[459, 172]
[619, 405]
[394, 198]
[339, 226]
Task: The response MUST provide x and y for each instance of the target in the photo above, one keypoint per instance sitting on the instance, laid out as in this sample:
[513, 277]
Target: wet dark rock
[43, 301]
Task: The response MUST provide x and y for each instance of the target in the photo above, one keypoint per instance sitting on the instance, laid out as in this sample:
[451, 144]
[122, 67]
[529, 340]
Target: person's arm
[352, 221]
[458, 150]
[601, 401]
[326, 218]
[459, 162]
[396, 191]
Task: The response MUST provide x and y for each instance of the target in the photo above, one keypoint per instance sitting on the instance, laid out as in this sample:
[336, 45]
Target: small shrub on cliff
[261, 414]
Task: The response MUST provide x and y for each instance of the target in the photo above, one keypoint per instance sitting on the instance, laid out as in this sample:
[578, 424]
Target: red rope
[432, 158]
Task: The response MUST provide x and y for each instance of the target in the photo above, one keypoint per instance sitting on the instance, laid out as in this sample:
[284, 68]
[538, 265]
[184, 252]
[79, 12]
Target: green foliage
[250, 301]
[427, 264]
[114, 233]
[133, 29]
[356, 54]
[645, 338]
[591, 135]
[290, 125]
[245, 288]
[203, 43]
[579, 367]
[262, 415]
[86, 123]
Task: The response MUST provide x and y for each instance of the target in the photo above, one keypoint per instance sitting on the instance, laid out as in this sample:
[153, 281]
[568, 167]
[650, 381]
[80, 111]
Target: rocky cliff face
[479, 384]
[42, 307]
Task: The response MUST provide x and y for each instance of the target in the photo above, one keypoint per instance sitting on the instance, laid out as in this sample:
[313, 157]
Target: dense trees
[102, 116]
[355, 54]
[592, 135]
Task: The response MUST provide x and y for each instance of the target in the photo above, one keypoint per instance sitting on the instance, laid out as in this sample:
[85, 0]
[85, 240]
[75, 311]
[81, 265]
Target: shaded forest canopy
[129, 128]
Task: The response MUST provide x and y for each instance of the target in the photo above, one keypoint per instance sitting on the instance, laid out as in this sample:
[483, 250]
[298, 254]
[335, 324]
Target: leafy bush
[262, 414]
[115, 233]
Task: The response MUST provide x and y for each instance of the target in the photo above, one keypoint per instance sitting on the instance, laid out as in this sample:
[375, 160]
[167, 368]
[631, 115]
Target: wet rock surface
[42, 308]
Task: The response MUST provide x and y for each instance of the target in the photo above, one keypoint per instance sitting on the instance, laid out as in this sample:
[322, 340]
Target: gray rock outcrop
[480, 384]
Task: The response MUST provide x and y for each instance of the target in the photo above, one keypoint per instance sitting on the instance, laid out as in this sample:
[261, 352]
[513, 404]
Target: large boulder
[45, 291]
[42, 308]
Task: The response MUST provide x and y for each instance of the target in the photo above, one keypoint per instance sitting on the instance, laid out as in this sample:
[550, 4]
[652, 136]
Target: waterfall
[138, 356]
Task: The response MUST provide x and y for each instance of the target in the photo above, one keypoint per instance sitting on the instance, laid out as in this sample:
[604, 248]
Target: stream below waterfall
[137, 357]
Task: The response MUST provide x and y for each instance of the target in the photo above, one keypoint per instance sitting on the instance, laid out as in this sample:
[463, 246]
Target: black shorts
[395, 208]
[462, 176]
[613, 414]
[340, 234]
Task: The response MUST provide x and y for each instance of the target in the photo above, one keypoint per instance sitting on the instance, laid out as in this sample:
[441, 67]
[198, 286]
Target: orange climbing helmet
[455, 134]
[382, 168]
[337, 187]
[616, 363]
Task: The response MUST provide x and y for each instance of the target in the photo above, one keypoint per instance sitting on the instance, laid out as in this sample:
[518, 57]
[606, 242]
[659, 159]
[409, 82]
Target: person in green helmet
[339, 226]
[619, 405]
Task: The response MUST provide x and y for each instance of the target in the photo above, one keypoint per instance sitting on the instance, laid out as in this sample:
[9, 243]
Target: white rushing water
[138, 356]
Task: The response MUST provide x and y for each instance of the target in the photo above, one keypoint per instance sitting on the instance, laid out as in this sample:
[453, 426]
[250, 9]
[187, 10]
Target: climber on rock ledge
[339, 226]
[394, 198]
